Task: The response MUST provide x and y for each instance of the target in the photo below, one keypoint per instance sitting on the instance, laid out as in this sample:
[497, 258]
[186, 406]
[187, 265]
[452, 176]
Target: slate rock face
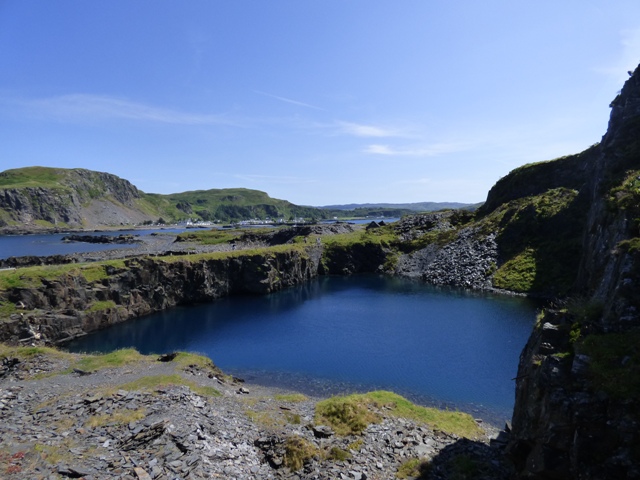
[569, 420]
[83, 198]
[61, 309]
[467, 260]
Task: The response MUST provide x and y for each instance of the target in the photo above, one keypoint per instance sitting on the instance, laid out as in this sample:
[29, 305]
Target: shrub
[298, 451]
[615, 362]
[346, 415]
[352, 414]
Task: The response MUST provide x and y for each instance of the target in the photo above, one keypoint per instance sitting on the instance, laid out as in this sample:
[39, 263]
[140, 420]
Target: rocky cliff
[577, 412]
[77, 198]
[40, 198]
[85, 298]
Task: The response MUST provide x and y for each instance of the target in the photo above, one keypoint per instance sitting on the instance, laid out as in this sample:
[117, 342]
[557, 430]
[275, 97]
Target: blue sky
[316, 102]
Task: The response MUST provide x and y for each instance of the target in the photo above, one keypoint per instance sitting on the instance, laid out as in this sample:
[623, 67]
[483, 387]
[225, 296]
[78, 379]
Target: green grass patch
[615, 362]
[338, 454]
[185, 359]
[626, 195]
[31, 177]
[518, 274]
[101, 305]
[412, 468]
[209, 237]
[93, 272]
[117, 358]
[155, 382]
[7, 309]
[32, 276]
[10, 279]
[26, 353]
[268, 419]
[298, 451]
[261, 252]
[26, 277]
[540, 240]
[291, 397]
[56, 454]
[631, 245]
[356, 445]
[454, 422]
[119, 417]
[351, 414]
[384, 236]
[348, 415]
[44, 224]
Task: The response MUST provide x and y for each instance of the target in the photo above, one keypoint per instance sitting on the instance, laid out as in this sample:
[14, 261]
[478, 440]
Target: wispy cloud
[428, 151]
[82, 107]
[288, 100]
[366, 130]
[363, 130]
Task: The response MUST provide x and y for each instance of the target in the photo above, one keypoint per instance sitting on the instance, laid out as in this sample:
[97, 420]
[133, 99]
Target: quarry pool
[437, 346]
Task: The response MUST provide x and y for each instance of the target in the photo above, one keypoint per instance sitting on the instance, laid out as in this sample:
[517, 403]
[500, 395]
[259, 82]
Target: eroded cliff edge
[86, 297]
[577, 409]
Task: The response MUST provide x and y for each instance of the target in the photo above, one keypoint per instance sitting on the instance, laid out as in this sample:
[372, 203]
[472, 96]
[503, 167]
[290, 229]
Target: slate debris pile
[96, 427]
[468, 261]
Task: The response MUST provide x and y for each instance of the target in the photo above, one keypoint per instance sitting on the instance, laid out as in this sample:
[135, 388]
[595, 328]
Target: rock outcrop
[577, 411]
[71, 305]
[77, 198]
[455, 256]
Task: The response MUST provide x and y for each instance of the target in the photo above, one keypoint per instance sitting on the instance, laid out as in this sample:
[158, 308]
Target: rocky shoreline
[158, 419]
[183, 434]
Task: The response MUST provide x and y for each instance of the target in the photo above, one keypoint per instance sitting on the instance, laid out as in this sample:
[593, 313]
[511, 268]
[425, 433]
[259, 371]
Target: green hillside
[230, 204]
[46, 197]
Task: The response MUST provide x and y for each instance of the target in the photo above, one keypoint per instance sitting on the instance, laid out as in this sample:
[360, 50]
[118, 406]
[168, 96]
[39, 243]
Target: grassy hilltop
[78, 198]
[46, 198]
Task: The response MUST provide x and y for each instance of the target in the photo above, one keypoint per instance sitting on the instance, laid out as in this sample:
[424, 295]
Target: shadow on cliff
[540, 242]
[465, 460]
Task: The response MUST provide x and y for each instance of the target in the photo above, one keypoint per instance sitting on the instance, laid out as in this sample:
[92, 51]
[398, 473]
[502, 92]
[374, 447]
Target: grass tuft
[615, 362]
[348, 415]
[298, 451]
[25, 353]
[351, 414]
[412, 468]
[337, 454]
[102, 305]
[155, 382]
[119, 417]
[117, 358]
[291, 397]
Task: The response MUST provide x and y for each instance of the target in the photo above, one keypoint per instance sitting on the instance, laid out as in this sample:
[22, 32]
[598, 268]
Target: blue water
[42, 245]
[436, 346]
[51, 243]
